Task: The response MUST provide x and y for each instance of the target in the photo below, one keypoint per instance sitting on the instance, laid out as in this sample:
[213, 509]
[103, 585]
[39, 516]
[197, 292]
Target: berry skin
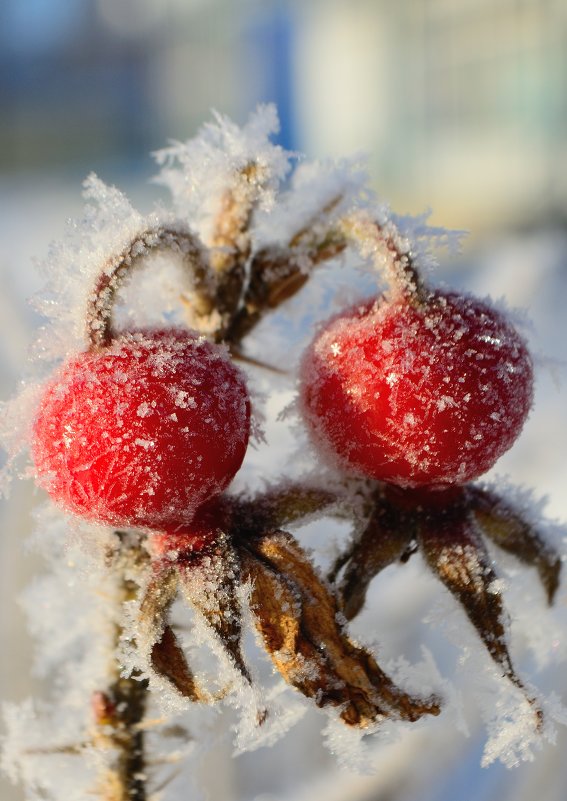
[143, 432]
[423, 393]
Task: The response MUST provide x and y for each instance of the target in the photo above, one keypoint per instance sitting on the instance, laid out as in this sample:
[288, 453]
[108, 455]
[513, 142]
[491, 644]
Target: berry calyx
[187, 543]
[427, 393]
[143, 432]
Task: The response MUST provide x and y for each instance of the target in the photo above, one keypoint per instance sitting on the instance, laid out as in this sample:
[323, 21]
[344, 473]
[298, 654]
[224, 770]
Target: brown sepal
[168, 660]
[508, 529]
[211, 588]
[279, 272]
[297, 617]
[278, 508]
[385, 540]
[159, 594]
[158, 638]
[455, 552]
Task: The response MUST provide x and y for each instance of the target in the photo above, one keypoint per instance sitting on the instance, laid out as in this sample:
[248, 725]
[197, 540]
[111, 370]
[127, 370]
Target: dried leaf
[297, 617]
[456, 553]
[507, 528]
[384, 541]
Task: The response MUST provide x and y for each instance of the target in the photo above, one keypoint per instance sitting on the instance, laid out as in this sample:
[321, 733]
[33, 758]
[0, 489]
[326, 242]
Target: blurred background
[460, 104]
[461, 107]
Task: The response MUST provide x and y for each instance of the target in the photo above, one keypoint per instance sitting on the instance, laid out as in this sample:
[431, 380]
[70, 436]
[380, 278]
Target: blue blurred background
[461, 106]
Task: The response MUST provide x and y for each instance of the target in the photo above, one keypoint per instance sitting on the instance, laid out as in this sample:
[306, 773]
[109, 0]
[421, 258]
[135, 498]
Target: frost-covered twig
[120, 708]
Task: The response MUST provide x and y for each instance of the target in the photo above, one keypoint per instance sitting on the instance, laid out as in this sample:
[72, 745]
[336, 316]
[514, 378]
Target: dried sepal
[157, 599]
[384, 540]
[168, 660]
[281, 507]
[230, 242]
[456, 553]
[211, 587]
[297, 617]
[157, 637]
[508, 529]
[279, 272]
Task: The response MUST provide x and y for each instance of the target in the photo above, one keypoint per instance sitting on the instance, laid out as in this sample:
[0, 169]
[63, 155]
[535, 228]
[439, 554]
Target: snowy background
[460, 107]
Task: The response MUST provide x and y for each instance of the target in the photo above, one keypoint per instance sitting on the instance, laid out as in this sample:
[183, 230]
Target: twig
[119, 711]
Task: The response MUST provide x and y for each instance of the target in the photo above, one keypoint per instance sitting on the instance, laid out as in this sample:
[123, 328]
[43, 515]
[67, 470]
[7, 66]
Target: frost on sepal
[211, 588]
[456, 553]
[386, 539]
[288, 503]
[320, 193]
[209, 583]
[298, 620]
[198, 172]
[510, 528]
[354, 750]
[509, 719]
[156, 639]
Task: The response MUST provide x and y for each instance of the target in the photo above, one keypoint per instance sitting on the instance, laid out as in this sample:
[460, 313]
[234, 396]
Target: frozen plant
[142, 422]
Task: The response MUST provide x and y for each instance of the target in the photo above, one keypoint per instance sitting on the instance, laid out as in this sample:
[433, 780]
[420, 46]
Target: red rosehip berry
[143, 432]
[417, 392]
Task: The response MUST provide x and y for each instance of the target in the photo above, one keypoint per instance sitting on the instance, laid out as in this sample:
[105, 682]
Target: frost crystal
[181, 593]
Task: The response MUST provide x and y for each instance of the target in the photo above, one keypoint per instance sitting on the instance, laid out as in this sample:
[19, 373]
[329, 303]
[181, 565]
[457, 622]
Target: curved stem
[99, 326]
[389, 251]
[279, 272]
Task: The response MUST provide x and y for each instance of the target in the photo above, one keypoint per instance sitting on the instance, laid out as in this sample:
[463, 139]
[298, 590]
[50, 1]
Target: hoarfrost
[197, 172]
[510, 718]
[73, 648]
[108, 225]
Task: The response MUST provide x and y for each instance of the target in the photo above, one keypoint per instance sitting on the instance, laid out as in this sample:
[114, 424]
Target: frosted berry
[143, 432]
[424, 393]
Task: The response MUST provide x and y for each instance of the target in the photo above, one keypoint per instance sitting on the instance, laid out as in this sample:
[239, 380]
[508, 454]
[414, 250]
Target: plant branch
[119, 711]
